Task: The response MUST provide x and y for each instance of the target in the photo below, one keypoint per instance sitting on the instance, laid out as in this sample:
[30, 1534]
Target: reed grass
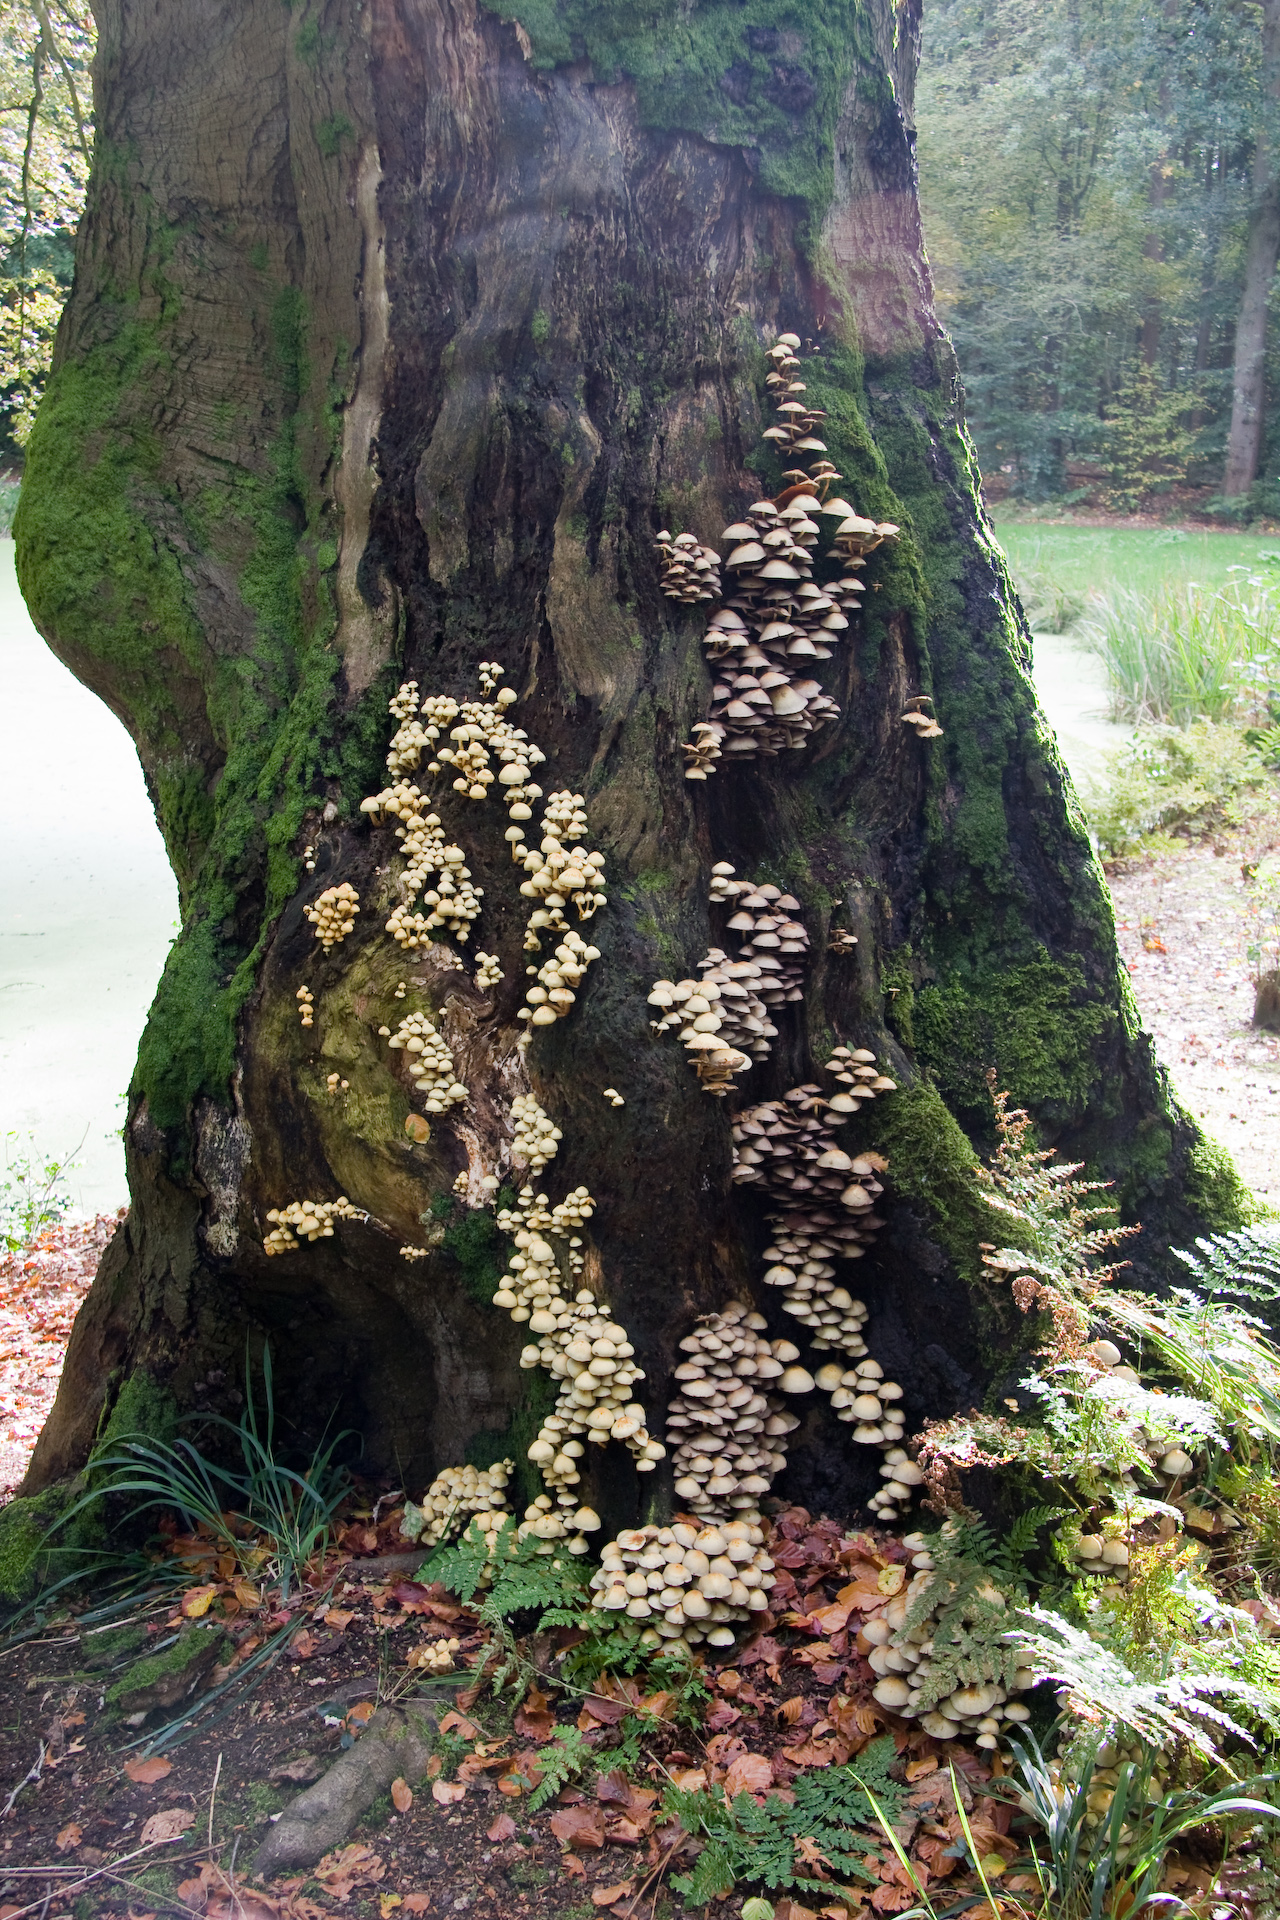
[1186, 654]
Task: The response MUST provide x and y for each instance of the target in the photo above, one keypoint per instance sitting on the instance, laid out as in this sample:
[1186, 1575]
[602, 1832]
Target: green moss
[480, 1250]
[142, 1410]
[1214, 1190]
[932, 1164]
[897, 983]
[158, 1672]
[23, 1526]
[331, 134]
[537, 1400]
[540, 326]
[1038, 1025]
[769, 75]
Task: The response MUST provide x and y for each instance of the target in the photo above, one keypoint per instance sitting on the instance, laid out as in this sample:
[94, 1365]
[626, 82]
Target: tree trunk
[398, 332]
[1249, 366]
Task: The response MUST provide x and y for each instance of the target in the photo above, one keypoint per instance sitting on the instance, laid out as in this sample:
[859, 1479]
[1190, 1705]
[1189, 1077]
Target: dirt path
[1181, 923]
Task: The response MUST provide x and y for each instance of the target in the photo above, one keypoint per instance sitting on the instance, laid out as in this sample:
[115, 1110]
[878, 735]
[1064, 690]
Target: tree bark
[397, 333]
[1249, 365]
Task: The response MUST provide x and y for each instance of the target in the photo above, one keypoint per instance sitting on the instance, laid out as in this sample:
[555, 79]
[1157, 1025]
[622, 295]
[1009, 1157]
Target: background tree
[397, 334]
[1094, 183]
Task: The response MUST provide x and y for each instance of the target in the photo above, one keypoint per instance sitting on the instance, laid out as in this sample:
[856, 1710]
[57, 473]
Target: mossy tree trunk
[397, 332]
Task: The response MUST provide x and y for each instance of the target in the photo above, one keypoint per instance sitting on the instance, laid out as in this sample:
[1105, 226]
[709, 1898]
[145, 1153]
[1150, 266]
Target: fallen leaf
[358, 1716]
[689, 1779]
[193, 1894]
[459, 1724]
[71, 1836]
[247, 1594]
[512, 1784]
[626, 1832]
[596, 1710]
[169, 1824]
[533, 1721]
[750, 1773]
[198, 1600]
[73, 1719]
[338, 1619]
[417, 1902]
[348, 1867]
[503, 1828]
[790, 1710]
[303, 1644]
[609, 1896]
[387, 1904]
[578, 1828]
[573, 1868]
[446, 1794]
[145, 1773]
[722, 1715]
[401, 1795]
[917, 1769]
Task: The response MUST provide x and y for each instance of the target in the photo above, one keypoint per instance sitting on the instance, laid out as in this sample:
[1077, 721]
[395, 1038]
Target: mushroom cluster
[777, 942]
[904, 1660]
[536, 1137]
[1169, 1459]
[1108, 1759]
[594, 1361]
[865, 1400]
[725, 1430]
[431, 1066]
[724, 1018]
[1103, 1554]
[689, 572]
[855, 1068]
[691, 1582]
[434, 1656]
[456, 1497]
[552, 994]
[558, 874]
[454, 901]
[695, 1010]
[777, 618]
[488, 971]
[614, 1098]
[483, 729]
[306, 1005]
[924, 724]
[334, 914]
[901, 1477]
[306, 1220]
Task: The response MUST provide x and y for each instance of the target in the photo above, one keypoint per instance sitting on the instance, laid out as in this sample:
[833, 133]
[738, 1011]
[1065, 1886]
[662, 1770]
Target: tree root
[396, 1744]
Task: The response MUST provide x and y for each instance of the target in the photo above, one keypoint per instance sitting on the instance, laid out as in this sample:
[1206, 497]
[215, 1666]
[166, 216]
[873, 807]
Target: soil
[1182, 924]
[76, 1840]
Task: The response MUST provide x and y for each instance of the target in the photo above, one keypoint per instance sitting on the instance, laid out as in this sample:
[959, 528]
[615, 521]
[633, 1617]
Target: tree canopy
[1087, 176]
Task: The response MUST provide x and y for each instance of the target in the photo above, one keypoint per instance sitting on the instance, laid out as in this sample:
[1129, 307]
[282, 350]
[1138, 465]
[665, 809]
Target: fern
[563, 1759]
[969, 1613]
[1244, 1264]
[746, 1841]
[1173, 1707]
[1008, 1561]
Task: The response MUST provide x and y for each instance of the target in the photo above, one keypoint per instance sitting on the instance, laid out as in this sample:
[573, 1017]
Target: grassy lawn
[1084, 560]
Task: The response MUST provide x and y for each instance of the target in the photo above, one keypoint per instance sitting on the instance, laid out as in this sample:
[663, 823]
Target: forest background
[1101, 191]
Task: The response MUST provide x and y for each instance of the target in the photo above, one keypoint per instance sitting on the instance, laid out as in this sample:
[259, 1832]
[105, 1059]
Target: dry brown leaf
[533, 1721]
[459, 1724]
[417, 1903]
[169, 1824]
[790, 1710]
[917, 1769]
[446, 1794]
[71, 1836]
[750, 1773]
[401, 1795]
[145, 1773]
[609, 1896]
[198, 1600]
[503, 1828]
[578, 1828]
[689, 1779]
[193, 1894]
[338, 1619]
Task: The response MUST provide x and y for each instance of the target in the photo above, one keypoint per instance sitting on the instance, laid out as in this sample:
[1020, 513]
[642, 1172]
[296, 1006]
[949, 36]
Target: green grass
[1080, 560]
[1188, 652]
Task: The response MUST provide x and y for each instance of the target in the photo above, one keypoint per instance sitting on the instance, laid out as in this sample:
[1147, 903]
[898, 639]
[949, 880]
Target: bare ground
[1181, 919]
